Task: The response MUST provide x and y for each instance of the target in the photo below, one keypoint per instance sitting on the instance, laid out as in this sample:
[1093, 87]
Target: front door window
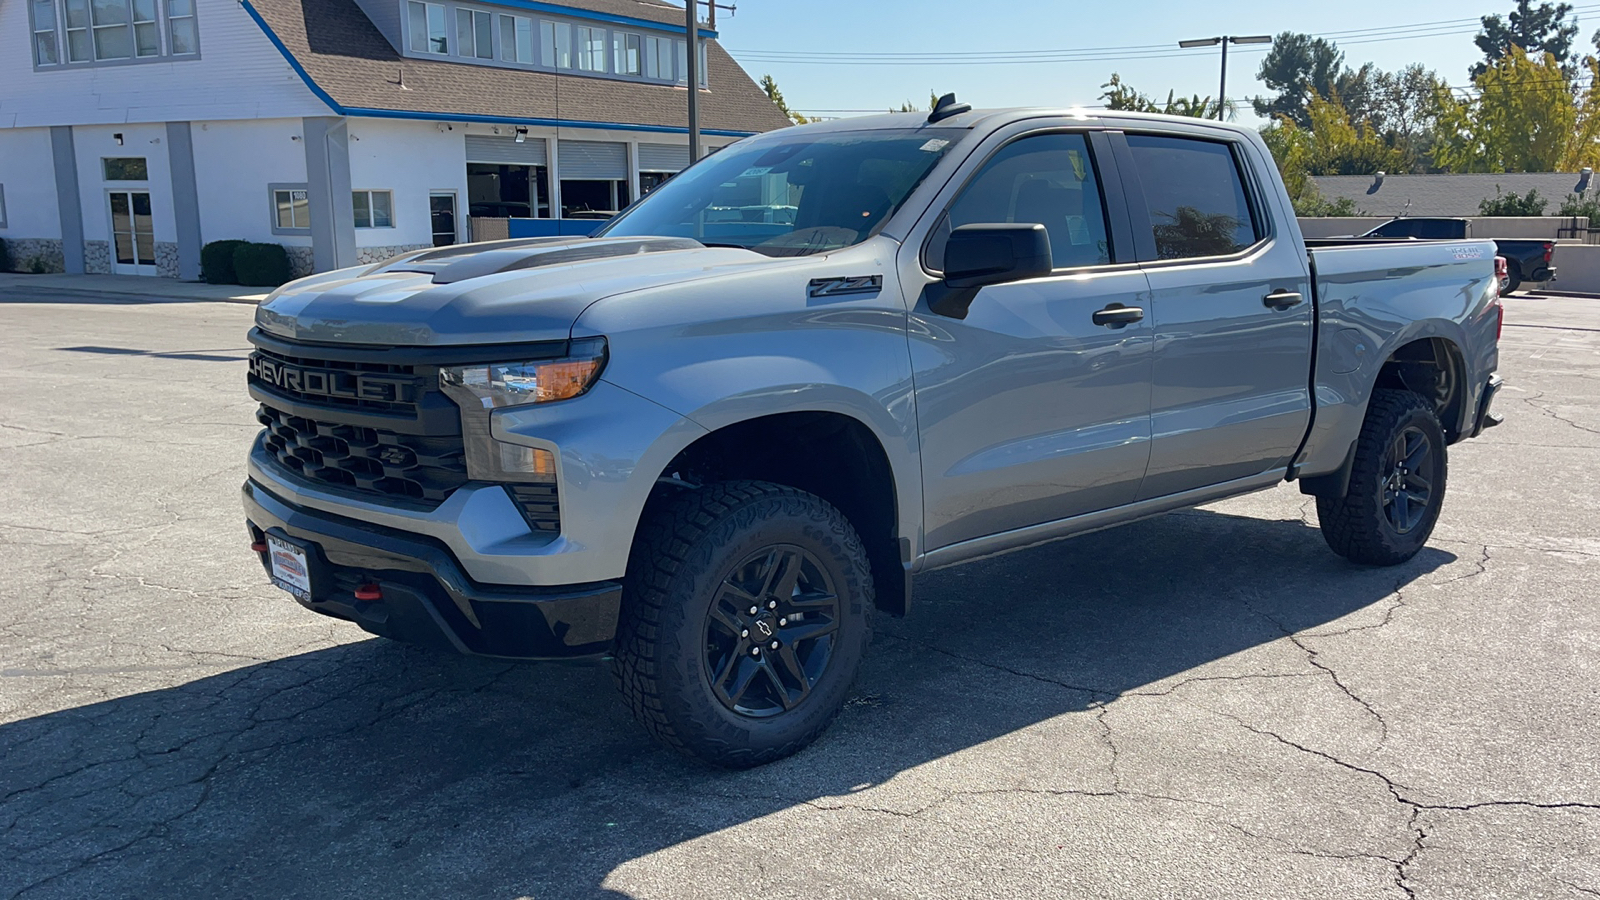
[442, 212]
[133, 238]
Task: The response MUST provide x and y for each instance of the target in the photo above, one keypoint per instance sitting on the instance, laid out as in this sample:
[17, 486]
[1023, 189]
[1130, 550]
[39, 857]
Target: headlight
[493, 385]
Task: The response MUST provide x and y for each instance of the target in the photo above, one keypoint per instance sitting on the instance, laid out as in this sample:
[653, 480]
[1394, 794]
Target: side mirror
[977, 256]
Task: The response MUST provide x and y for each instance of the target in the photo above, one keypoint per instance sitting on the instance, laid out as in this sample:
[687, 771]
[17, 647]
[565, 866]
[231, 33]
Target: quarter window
[1195, 196]
[427, 26]
[374, 209]
[1047, 179]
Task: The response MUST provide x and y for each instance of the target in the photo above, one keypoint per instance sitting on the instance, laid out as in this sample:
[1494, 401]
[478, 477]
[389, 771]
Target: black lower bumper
[1487, 418]
[426, 597]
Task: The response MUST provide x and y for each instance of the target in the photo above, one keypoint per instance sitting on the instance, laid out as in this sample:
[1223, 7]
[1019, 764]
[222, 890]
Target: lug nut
[744, 633]
[772, 604]
[755, 651]
[754, 610]
[774, 645]
[782, 622]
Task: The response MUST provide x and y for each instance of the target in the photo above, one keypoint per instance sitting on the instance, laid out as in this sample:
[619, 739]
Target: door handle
[1116, 315]
[1282, 299]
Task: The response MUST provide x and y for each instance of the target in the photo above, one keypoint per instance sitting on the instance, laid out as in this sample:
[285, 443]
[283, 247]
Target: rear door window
[1196, 197]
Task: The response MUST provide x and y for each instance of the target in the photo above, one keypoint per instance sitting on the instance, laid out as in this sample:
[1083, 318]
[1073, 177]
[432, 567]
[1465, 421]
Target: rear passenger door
[1231, 307]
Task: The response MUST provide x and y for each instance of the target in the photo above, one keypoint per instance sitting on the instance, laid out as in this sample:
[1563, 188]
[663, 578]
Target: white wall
[233, 164]
[239, 75]
[92, 143]
[1533, 227]
[411, 159]
[29, 177]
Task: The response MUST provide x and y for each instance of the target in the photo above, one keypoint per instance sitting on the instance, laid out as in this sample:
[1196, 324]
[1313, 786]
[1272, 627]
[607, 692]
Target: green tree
[1581, 205]
[1536, 29]
[1524, 119]
[1299, 67]
[776, 96]
[1512, 204]
[1403, 108]
[908, 106]
[1118, 95]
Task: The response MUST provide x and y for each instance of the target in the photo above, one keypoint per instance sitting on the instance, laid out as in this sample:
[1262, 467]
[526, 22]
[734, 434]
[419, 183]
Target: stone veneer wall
[166, 259]
[97, 256]
[302, 261]
[371, 255]
[25, 251]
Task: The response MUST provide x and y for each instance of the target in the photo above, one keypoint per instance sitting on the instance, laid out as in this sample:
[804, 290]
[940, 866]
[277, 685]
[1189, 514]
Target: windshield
[807, 195]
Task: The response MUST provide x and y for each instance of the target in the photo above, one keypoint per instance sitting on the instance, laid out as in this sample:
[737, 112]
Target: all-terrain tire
[685, 564]
[1513, 282]
[1361, 525]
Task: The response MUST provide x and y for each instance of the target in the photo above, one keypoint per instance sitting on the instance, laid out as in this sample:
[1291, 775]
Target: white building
[132, 132]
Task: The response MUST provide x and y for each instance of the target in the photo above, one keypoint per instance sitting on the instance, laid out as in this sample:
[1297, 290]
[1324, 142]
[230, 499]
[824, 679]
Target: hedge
[261, 265]
[5, 257]
[216, 262]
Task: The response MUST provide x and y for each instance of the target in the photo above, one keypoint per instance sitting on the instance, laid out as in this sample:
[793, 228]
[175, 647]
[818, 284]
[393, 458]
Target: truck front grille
[386, 464]
[369, 387]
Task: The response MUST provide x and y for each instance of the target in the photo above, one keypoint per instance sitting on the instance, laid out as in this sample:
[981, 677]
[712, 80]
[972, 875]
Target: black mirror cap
[980, 255]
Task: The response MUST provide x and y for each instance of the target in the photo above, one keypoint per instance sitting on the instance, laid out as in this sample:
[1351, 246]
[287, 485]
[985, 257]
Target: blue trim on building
[459, 117]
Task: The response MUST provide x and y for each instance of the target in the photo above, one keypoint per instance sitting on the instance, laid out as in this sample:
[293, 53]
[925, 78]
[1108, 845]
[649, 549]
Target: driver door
[1028, 410]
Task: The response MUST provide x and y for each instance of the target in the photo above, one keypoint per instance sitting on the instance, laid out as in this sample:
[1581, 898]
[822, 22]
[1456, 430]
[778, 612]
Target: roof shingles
[346, 56]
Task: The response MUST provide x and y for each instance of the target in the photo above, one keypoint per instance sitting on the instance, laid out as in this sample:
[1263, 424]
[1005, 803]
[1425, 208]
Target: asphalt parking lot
[1206, 705]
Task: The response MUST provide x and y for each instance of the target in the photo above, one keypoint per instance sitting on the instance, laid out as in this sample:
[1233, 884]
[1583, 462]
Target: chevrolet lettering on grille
[331, 382]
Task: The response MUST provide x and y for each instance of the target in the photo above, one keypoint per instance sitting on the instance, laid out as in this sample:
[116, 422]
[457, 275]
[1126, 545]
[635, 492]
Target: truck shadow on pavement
[375, 769]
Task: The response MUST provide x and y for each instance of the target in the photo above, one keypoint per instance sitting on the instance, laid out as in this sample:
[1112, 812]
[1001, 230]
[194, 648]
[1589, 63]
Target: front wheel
[745, 617]
[1396, 483]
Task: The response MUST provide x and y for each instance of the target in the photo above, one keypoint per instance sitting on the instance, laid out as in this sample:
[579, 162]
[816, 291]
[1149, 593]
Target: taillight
[1549, 250]
[1500, 323]
[1501, 269]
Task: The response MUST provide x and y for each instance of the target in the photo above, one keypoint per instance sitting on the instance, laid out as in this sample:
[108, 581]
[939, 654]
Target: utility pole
[1224, 40]
[691, 13]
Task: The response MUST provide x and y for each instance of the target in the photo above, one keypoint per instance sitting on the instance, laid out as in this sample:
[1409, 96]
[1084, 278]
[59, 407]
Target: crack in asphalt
[1533, 402]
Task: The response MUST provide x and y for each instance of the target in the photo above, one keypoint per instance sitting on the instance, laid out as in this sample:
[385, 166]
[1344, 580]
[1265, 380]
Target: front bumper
[1486, 418]
[427, 598]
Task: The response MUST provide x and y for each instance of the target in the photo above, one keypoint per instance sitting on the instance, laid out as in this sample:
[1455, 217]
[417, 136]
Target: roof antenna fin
[947, 107]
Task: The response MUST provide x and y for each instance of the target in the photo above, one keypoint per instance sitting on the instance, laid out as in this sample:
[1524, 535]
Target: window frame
[60, 35]
[1107, 174]
[372, 219]
[105, 173]
[620, 51]
[514, 46]
[273, 189]
[1139, 206]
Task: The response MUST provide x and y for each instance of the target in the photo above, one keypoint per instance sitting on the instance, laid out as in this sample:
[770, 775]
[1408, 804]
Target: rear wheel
[744, 621]
[1396, 483]
[1512, 282]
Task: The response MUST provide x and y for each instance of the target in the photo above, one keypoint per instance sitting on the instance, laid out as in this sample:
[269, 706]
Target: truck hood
[493, 293]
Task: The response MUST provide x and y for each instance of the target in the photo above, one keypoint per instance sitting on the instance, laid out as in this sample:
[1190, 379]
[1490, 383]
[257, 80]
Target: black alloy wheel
[769, 635]
[1409, 489]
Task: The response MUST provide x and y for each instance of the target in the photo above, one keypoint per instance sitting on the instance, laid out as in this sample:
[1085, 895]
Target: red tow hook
[369, 592]
[259, 546]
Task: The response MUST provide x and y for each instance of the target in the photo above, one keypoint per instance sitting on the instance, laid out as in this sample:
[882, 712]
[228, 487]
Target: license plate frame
[289, 567]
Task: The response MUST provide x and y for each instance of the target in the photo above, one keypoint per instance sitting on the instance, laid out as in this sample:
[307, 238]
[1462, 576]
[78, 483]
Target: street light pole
[1224, 41]
[691, 10]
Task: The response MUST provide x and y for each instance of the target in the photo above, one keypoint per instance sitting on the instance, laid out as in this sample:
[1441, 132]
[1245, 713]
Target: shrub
[5, 256]
[261, 265]
[37, 266]
[1581, 205]
[216, 262]
[1512, 205]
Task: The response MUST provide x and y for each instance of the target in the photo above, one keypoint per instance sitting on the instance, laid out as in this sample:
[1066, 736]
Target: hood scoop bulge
[462, 262]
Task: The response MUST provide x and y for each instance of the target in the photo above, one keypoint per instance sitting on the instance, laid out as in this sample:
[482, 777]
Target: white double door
[133, 236]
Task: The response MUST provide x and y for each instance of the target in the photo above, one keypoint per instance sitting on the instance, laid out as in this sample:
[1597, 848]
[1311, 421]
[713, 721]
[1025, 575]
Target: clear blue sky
[947, 28]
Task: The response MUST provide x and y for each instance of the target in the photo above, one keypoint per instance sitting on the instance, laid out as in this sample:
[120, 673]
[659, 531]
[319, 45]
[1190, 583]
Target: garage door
[600, 160]
[663, 157]
[483, 148]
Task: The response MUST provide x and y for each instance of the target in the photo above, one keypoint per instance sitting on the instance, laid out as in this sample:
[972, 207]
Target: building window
[374, 209]
[291, 209]
[705, 79]
[474, 33]
[555, 44]
[45, 50]
[658, 58]
[426, 23]
[79, 48]
[591, 48]
[181, 28]
[126, 168]
[627, 49]
[516, 39]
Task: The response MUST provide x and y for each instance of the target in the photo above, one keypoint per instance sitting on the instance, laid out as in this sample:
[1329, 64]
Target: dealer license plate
[288, 567]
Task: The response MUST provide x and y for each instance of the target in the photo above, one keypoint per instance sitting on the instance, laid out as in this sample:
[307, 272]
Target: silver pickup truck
[711, 441]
